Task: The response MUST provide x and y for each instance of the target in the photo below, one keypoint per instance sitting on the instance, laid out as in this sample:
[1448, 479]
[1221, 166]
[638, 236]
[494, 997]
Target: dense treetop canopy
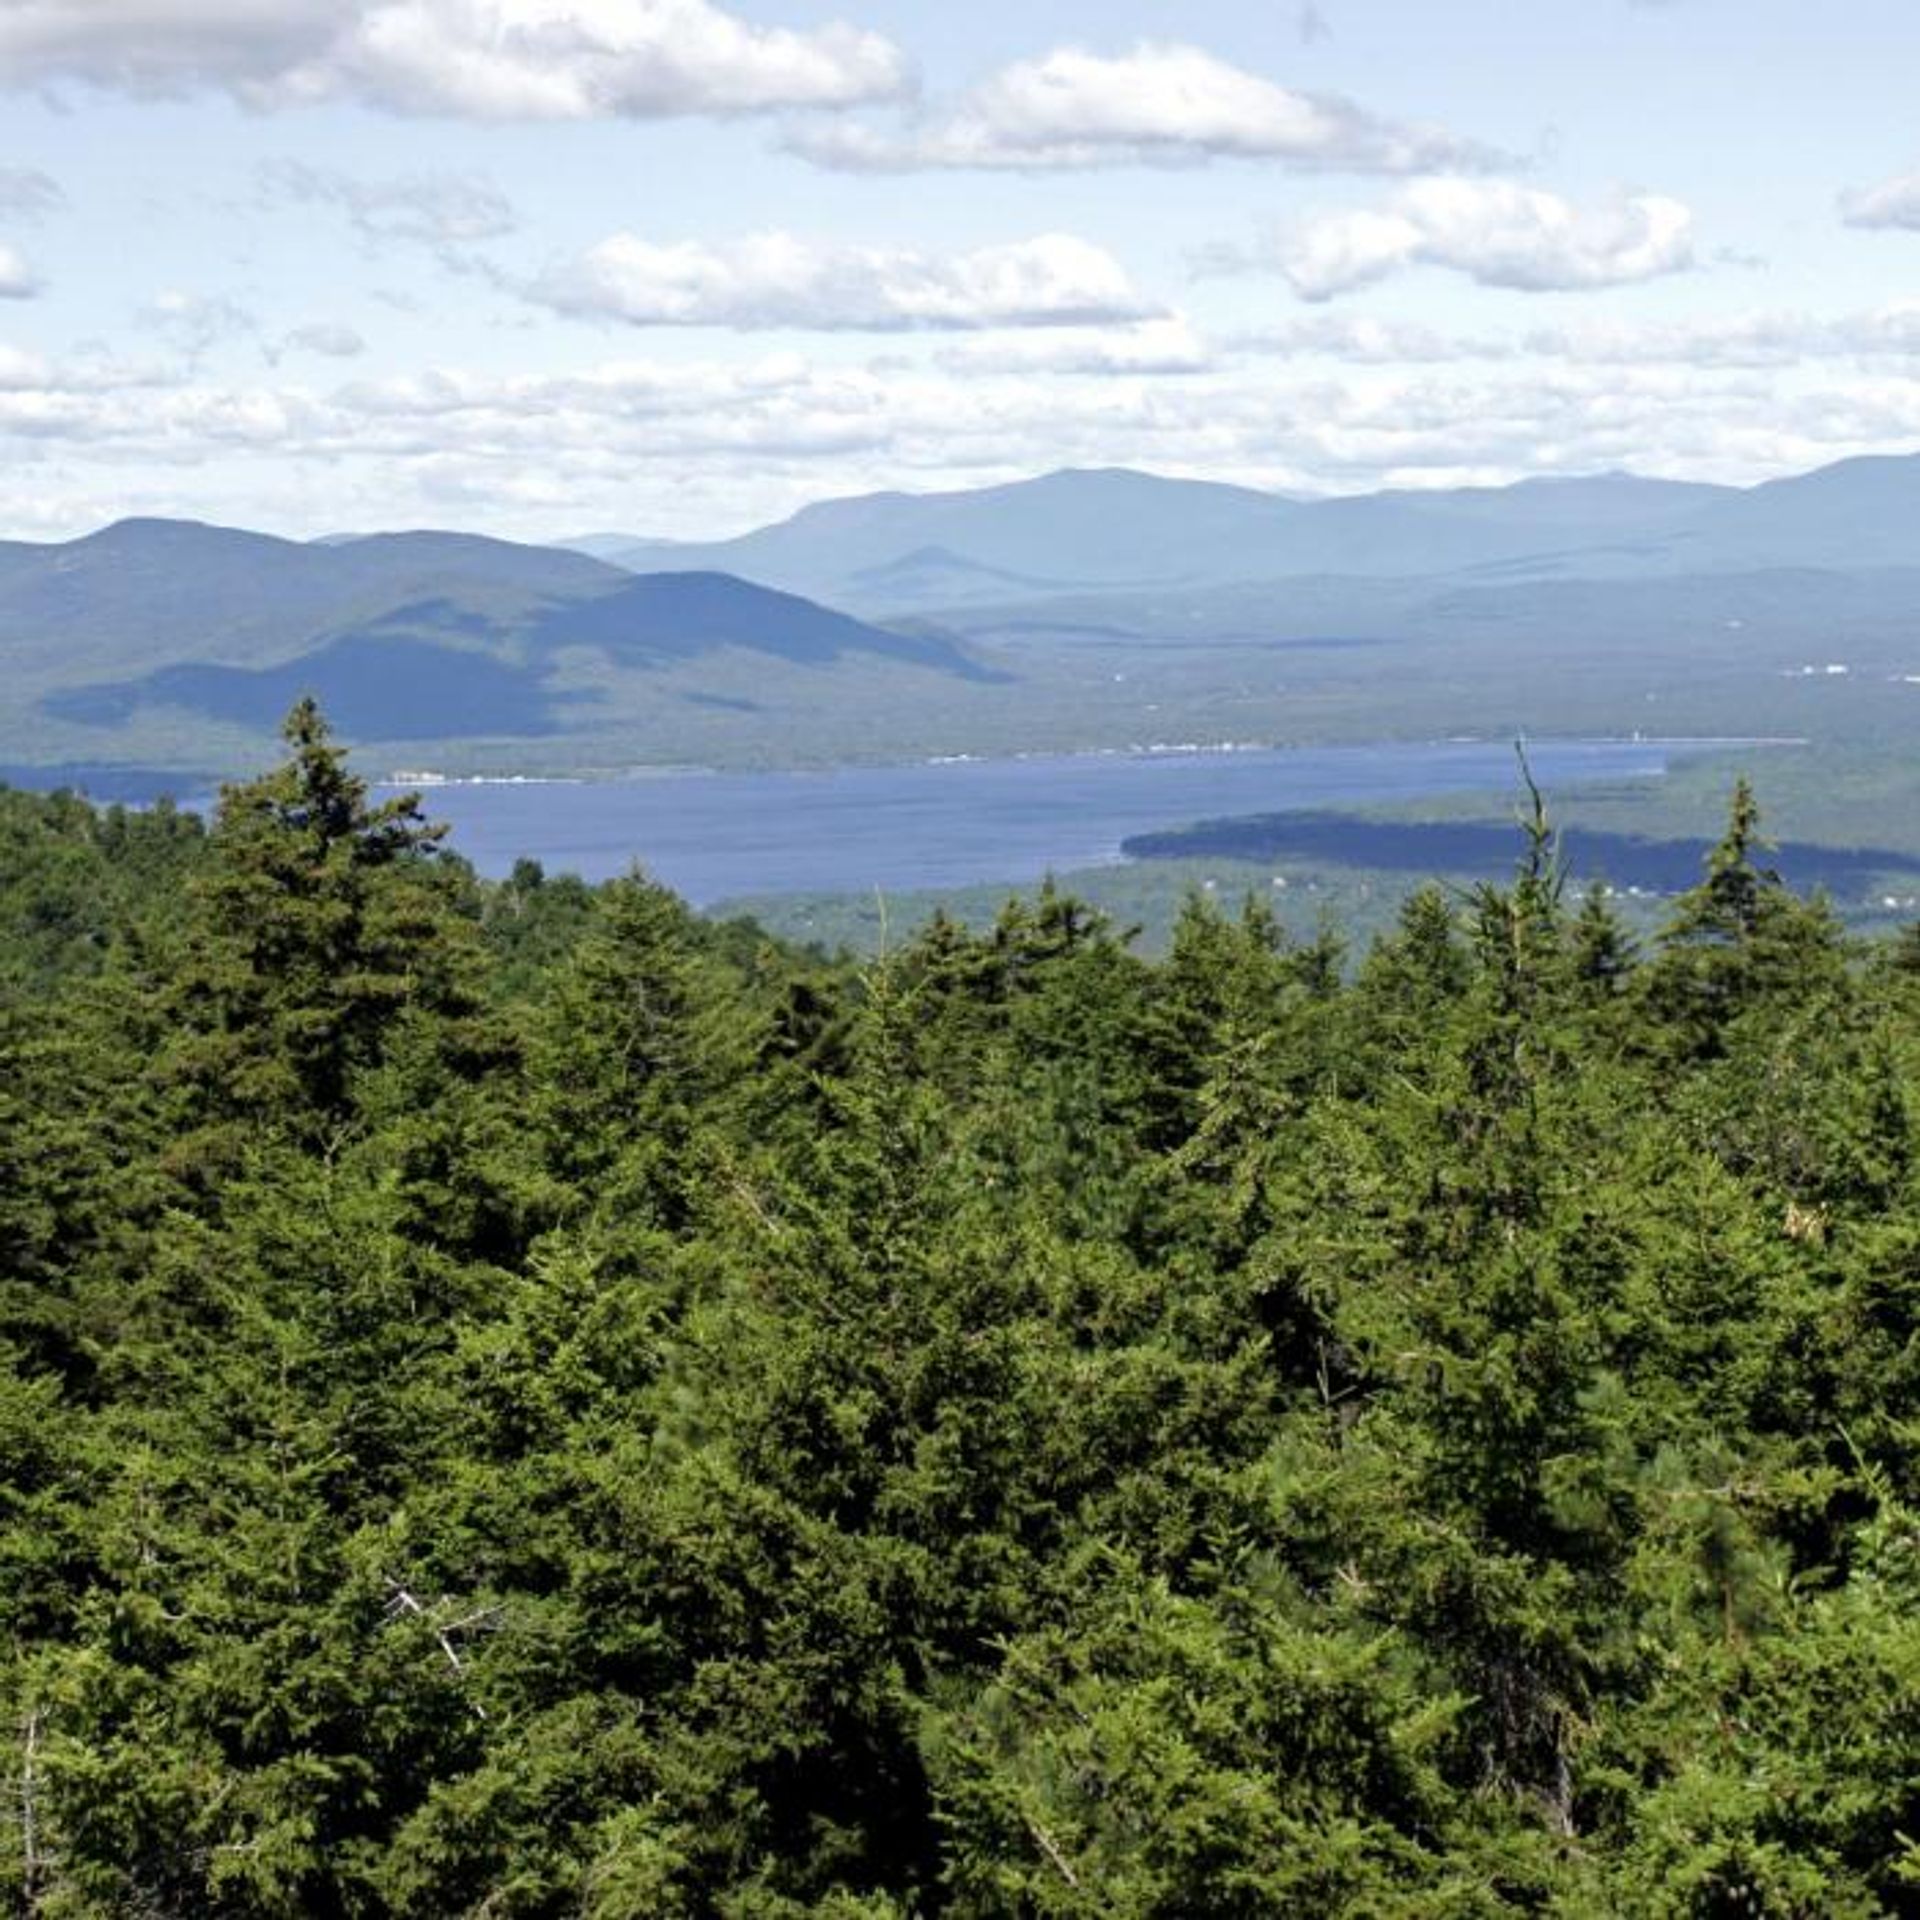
[519, 1401]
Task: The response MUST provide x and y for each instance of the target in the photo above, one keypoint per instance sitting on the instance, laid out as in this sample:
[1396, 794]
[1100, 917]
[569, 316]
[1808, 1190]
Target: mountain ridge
[418, 635]
[1232, 613]
[1125, 529]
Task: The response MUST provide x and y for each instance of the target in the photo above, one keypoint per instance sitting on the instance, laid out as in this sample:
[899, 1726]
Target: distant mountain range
[1075, 531]
[405, 636]
[1079, 609]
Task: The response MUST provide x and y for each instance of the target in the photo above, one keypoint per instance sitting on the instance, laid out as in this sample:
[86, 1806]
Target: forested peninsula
[518, 1400]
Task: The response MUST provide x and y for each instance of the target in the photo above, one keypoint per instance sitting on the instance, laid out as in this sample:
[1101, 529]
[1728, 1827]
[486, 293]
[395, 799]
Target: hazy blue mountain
[1579, 504]
[1804, 613]
[612, 546]
[1075, 531]
[1077, 528]
[1135, 609]
[1855, 513]
[1543, 528]
[937, 576]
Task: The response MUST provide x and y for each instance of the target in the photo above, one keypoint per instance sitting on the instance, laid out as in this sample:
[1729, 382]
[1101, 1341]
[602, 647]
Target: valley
[1037, 627]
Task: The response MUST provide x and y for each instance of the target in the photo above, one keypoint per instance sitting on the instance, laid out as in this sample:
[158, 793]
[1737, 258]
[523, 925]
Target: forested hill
[521, 1402]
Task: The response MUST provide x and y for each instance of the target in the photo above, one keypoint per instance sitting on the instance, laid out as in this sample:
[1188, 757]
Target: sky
[540, 268]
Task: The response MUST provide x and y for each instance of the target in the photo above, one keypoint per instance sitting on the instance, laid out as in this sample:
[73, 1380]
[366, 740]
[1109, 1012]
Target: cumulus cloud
[26, 192]
[1159, 105]
[1893, 203]
[687, 445]
[777, 280]
[162, 46]
[18, 281]
[481, 59]
[434, 209]
[1494, 231]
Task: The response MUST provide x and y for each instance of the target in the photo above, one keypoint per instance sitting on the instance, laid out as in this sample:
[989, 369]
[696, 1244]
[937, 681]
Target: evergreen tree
[313, 930]
[514, 1399]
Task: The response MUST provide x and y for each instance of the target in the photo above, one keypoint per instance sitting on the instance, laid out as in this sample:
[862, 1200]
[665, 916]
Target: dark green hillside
[125, 645]
[145, 593]
[1621, 860]
[377, 683]
[665, 617]
[516, 1400]
[388, 680]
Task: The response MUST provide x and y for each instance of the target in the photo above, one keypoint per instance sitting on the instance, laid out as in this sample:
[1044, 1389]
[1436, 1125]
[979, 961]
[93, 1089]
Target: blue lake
[853, 829]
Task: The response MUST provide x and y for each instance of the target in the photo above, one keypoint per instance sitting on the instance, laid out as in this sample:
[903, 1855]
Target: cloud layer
[1885, 337]
[674, 444]
[1893, 203]
[1162, 105]
[777, 280]
[18, 281]
[1494, 231]
[480, 59]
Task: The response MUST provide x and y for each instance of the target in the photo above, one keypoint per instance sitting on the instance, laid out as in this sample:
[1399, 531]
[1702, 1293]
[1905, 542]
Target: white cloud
[436, 209]
[1494, 231]
[777, 280]
[18, 281]
[1164, 105]
[20, 369]
[162, 46]
[481, 59]
[693, 444]
[1893, 203]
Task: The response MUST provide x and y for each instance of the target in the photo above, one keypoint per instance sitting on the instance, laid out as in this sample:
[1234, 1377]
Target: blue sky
[542, 267]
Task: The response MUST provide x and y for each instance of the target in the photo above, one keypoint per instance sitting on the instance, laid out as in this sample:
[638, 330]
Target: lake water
[711, 836]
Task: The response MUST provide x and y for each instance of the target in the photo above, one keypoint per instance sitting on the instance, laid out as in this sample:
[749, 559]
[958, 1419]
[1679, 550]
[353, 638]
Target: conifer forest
[519, 1400]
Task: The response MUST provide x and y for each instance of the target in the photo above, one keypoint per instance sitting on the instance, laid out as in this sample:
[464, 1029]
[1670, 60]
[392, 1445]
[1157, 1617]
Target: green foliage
[515, 1400]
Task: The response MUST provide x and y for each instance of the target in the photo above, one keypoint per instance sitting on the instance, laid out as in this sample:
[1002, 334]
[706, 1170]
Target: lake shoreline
[852, 828]
[427, 779]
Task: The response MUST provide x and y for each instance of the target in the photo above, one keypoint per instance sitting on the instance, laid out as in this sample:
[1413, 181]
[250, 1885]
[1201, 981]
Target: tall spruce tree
[312, 929]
